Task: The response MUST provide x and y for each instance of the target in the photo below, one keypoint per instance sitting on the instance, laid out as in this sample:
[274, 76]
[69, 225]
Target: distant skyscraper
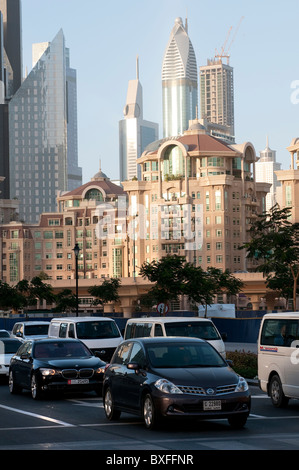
[265, 170]
[43, 132]
[10, 77]
[179, 82]
[134, 132]
[217, 94]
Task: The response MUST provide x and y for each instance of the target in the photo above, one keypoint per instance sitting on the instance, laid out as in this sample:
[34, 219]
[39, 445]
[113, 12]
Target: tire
[279, 400]
[237, 422]
[110, 412]
[13, 388]
[35, 389]
[150, 416]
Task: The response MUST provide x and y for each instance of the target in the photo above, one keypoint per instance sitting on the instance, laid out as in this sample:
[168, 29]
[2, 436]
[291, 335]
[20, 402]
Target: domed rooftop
[99, 176]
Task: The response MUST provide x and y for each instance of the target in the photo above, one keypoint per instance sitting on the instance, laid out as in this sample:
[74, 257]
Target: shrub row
[244, 363]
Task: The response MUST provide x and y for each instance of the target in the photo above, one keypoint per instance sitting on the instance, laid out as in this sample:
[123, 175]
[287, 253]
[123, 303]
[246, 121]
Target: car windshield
[184, 355]
[195, 329]
[35, 330]
[97, 329]
[60, 350]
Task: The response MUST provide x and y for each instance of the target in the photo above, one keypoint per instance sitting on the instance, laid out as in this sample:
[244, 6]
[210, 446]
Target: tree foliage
[275, 244]
[106, 292]
[172, 277]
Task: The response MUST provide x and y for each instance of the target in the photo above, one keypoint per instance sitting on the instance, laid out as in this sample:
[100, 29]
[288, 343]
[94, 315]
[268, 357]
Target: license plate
[212, 405]
[78, 381]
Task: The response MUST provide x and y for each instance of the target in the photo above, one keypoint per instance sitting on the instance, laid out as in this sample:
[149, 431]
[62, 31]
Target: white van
[100, 334]
[278, 356]
[30, 329]
[196, 327]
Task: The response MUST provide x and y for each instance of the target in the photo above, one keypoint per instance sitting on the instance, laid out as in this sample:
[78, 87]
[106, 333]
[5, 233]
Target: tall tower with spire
[179, 82]
[134, 132]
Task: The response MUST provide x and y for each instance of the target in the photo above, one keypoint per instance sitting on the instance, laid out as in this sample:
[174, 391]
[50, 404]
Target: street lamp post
[76, 250]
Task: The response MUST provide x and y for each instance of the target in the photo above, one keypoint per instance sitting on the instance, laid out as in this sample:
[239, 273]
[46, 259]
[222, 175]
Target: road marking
[34, 415]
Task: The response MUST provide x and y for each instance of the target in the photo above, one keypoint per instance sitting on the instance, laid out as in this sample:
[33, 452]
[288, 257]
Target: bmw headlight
[48, 372]
[167, 387]
[242, 385]
[100, 370]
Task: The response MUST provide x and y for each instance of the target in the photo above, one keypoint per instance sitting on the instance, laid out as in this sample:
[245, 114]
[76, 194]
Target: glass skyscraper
[43, 132]
[179, 82]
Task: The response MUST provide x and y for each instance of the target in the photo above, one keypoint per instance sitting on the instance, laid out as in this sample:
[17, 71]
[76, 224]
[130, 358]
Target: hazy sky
[105, 37]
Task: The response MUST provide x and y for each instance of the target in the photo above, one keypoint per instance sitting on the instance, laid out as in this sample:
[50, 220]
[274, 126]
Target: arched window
[94, 195]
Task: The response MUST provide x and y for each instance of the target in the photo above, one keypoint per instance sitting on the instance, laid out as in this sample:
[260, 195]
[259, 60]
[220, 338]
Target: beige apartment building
[197, 198]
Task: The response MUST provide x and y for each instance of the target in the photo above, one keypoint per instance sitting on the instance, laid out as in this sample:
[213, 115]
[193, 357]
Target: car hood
[71, 363]
[199, 376]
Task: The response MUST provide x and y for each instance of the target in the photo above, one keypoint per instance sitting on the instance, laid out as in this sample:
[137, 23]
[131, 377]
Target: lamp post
[76, 250]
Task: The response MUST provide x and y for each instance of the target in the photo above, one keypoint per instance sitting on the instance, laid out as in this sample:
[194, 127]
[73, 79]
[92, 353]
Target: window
[279, 332]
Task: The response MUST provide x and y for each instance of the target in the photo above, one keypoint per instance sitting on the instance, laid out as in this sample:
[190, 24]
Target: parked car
[163, 378]
[61, 365]
[30, 329]
[4, 334]
[8, 347]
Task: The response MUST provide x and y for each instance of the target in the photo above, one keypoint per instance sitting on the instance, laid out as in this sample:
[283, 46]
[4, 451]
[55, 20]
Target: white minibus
[196, 327]
[100, 334]
[278, 357]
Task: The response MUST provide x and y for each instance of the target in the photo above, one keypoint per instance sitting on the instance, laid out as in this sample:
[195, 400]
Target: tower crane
[225, 53]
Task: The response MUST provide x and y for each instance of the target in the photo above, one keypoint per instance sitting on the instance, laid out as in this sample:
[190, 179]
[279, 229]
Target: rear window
[31, 330]
[279, 332]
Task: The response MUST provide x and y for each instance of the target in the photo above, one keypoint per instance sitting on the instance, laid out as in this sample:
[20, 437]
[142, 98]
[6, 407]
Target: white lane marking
[34, 415]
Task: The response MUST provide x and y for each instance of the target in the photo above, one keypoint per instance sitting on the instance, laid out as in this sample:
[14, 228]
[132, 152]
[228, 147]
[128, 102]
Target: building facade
[197, 198]
[135, 133]
[10, 78]
[179, 82]
[88, 216]
[217, 94]
[266, 169]
[43, 133]
[289, 180]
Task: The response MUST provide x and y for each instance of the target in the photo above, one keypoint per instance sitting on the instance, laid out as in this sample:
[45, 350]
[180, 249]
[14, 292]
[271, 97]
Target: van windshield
[97, 329]
[203, 329]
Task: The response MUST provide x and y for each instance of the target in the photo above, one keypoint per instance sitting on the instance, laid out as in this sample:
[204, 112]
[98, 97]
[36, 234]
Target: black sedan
[161, 378]
[61, 365]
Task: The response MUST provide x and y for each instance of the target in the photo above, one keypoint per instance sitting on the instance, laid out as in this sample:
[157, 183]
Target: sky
[105, 38]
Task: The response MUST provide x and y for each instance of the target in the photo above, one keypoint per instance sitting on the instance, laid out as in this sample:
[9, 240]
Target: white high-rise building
[179, 82]
[265, 172]
[134, 132]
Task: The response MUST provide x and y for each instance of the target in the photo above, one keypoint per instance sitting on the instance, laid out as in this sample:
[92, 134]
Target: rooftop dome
[99, 175]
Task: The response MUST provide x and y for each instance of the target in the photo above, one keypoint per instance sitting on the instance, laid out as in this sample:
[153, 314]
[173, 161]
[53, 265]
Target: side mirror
[133, 366]
[229, 362]
[224, 336]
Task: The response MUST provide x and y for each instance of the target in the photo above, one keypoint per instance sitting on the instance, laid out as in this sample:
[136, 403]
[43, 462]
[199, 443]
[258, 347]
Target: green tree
[173, 276]
[274, 243]
[106, 292]
[65, 300]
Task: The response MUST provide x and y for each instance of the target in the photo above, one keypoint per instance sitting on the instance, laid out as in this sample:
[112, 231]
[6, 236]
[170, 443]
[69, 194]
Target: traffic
[162, 381]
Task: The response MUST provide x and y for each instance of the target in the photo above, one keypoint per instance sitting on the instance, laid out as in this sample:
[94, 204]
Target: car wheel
[13, 388]
[36, 392]
[150, 417]
[279, 400]
[110, 411]
[237, 422]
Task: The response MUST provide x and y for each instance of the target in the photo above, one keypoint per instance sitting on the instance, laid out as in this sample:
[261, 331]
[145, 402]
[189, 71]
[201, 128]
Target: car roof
[33, 322]
[80, 319]
[54, 340]
[166, 339]
[168, 319]
[9, 340]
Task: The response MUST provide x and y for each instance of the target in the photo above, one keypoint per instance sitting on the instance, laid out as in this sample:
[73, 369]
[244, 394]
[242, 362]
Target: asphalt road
[78, 423]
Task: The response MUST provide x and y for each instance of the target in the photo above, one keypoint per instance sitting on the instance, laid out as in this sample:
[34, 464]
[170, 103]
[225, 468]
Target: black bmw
[162, 378]
[45, 365]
